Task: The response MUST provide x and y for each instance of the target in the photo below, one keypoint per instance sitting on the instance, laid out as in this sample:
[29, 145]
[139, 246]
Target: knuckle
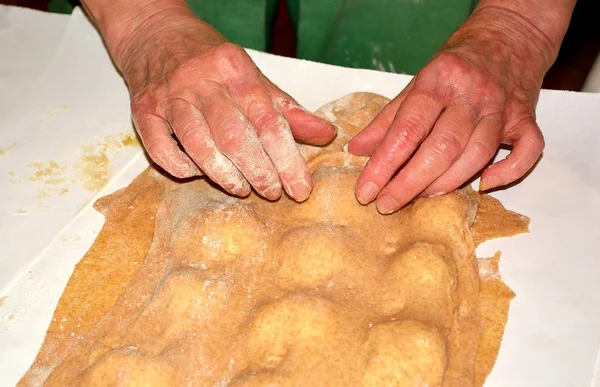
[228, 139]
[291, 167]
[538, 141]
[230, 56]
[431, 89]
[413, 131]
[263, 116]
[265, 179]
[217, 165]
[481, 150]
[160, 156]
[156, 151]
[138, 124]
[222, 170]
[261, 174]
[410, 185]
[402, 186]
[449, 59]
[381, 165]
[541, 143]
[188, 129]
[229, 49]
[454, 67]
[145, 101]
[232, 132]
[287, 103]
[289, 162]
[446, 145]
[460, 71]
[188, 134]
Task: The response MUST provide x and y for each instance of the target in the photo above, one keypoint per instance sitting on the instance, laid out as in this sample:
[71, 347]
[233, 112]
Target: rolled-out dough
[186, 285]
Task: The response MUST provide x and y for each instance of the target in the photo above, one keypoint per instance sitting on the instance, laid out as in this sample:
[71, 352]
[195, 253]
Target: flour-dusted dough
[187, 285]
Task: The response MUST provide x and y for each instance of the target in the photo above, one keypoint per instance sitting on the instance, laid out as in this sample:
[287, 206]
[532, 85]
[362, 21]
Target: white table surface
[62, 101]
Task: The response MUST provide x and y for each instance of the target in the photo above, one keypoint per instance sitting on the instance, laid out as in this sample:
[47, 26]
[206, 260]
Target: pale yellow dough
[187, 286]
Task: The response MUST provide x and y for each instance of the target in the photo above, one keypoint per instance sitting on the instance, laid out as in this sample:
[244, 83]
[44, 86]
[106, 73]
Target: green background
[388, 35]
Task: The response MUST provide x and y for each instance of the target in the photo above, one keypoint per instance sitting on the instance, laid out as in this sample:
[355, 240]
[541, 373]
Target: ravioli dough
[186, 285]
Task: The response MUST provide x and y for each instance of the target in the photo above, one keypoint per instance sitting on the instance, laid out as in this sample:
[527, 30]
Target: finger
[305, 126]
[527, 146]
[369, 139]
[193, 133]
[237, 139]
[275, 135]
[480, 149]
[438, 152]
[411, 125]
[162, 148]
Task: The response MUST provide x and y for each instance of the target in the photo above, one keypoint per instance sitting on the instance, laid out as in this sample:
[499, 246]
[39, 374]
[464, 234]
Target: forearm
[539, 25]
[120, 22]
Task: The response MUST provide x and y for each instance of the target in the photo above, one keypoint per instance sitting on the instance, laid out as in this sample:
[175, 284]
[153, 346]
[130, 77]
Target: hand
[478, 92]
[201, 106]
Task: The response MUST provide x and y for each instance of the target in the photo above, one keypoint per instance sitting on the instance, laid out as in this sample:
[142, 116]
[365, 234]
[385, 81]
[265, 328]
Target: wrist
[502, 37]
[142, 36]
[122, 27]
[126, 24]
[528, 25]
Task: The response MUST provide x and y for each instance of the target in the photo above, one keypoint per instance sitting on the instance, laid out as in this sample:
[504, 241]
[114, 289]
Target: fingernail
[367, 192]
[387, 204]
[489, 183]
[300, 189]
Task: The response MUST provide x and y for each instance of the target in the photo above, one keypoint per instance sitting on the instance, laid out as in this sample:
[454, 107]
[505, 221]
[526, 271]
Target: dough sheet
[188, 286]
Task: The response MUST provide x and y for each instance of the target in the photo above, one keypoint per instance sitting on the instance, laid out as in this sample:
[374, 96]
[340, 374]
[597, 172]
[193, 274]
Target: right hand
[188, 83]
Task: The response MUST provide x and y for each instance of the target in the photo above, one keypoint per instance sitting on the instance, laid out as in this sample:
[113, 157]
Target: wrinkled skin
[201, 106]
[186, 81]
[478, 92]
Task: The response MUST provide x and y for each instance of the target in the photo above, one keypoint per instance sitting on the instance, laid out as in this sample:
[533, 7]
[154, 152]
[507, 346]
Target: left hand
[478, 92]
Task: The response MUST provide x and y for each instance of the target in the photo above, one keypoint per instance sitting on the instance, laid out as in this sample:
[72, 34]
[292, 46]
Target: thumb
[305, 126]
[527, 146]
